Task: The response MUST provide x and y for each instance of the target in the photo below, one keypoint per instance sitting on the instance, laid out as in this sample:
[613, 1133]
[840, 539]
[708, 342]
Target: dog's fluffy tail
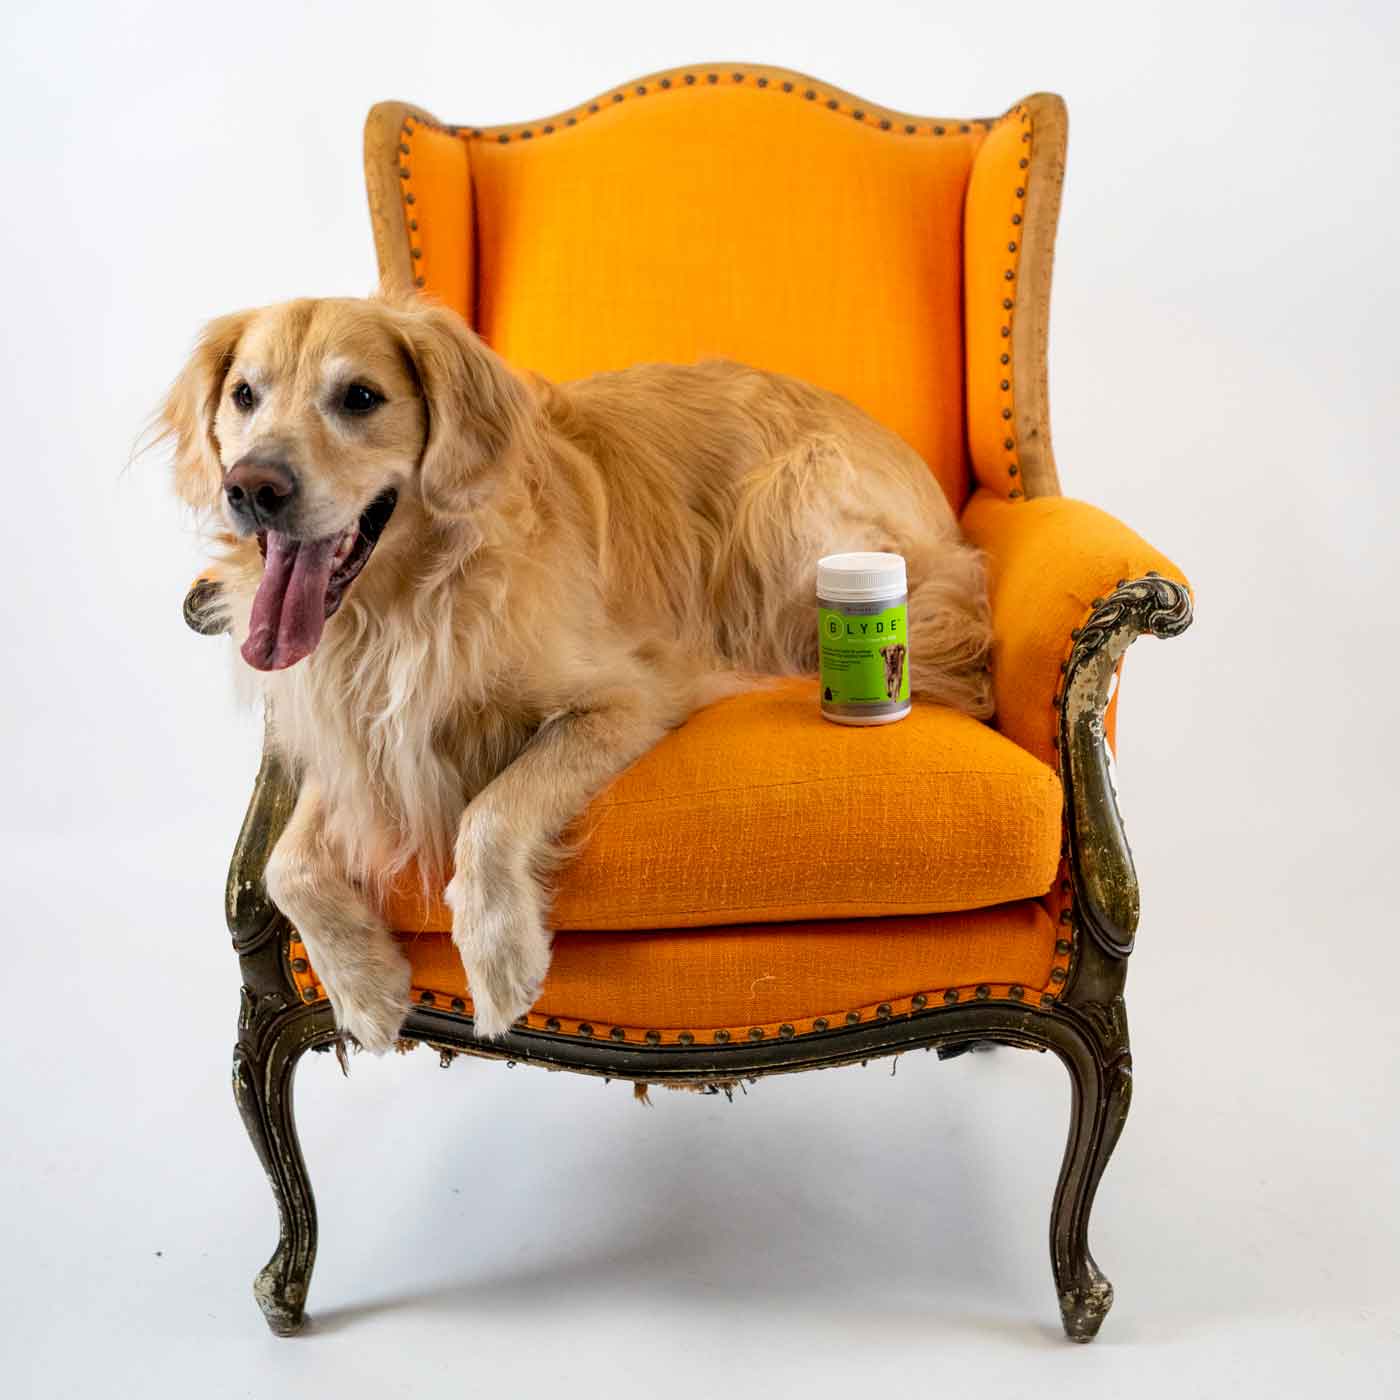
[950, 630]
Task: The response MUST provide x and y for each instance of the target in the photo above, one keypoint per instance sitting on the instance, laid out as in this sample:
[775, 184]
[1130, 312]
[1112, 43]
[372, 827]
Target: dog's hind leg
[364, 972]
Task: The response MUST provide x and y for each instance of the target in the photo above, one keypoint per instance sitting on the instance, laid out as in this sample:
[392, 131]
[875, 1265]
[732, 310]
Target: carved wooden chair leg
[264, 1063]
[1103, 1083]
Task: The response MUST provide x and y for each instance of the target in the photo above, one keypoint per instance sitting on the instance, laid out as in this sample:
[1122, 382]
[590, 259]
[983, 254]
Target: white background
[1223, 372]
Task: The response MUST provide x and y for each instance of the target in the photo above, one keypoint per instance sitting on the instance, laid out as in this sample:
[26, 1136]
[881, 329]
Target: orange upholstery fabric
[438, 207]
[757, 810]
[996, 202]
[1050, 559]
[757, 216]
[774, 978]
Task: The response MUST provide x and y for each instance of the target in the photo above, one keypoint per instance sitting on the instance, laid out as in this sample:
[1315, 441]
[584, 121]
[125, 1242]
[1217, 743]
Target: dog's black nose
[258, 491]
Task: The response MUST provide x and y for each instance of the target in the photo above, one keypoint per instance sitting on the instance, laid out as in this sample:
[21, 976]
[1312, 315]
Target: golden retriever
[473, 597]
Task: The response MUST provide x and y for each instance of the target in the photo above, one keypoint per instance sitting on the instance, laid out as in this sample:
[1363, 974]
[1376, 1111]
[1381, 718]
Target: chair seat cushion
[762, 980]
[757, 811]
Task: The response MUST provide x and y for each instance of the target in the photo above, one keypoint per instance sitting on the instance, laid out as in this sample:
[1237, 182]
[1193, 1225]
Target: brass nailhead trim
[427, 999]
[786, 1031]
[1066, 915]
[685, 1038]
[820, 1024]
[617, 1033]
[653, 1037]
[883, 1009]
[983, 992]
[853, 1018]
[1057, 974]
[458, 1004]
[308, 994]
[951, 995]
[585, 1029]
[756, 1033]
[1062, 946]
[1016, 993]
[918, 1001]
[721, 1037]
[1047, 999]
[299, 964]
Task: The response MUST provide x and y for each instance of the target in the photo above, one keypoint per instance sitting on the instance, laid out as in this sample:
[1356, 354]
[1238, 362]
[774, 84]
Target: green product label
[864, 655]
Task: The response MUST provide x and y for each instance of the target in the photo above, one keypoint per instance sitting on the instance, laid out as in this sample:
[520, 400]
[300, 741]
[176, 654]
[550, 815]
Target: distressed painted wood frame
[1084, 1023]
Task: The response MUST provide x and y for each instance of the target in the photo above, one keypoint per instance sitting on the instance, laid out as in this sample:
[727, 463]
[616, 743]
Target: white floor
[485, 1227]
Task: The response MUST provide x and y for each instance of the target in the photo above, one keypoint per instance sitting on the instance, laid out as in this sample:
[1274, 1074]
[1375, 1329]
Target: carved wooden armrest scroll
[1106, 887]
[205, 612]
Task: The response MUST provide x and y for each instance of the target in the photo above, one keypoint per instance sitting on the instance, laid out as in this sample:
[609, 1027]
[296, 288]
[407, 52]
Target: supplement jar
[862, 625]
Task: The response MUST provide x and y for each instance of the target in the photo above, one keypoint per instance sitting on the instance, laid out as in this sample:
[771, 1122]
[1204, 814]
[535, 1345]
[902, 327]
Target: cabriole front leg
[1102, 1077]
[1105, 920]
[264, 1065]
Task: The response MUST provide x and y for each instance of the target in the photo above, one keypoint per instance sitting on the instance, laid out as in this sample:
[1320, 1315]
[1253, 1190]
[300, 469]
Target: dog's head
[307, 424]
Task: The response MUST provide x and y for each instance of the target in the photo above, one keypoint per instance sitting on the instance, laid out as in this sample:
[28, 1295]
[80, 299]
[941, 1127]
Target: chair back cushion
[746, 213]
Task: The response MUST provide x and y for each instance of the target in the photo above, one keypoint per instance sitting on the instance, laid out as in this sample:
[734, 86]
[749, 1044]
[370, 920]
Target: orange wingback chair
[765, 892]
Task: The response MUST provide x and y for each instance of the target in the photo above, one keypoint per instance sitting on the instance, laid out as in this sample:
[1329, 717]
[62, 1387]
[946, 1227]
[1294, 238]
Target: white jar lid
[861, 578]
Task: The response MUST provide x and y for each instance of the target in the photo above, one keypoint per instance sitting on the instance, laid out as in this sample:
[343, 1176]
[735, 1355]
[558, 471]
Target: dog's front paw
[498, 927]
[371, 1006]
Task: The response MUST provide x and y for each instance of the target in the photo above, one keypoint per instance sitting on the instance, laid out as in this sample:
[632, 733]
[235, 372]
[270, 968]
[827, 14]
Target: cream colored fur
[570, 571]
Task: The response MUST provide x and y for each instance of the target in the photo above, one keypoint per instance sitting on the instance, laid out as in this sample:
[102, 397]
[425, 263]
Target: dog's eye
[243, 398]
[360, 398]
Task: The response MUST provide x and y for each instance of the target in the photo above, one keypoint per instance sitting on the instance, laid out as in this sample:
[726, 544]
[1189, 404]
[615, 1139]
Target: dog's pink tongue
[289, 609]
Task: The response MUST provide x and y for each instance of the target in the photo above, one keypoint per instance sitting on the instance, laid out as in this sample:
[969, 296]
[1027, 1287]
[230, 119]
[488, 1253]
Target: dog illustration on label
[894, 668]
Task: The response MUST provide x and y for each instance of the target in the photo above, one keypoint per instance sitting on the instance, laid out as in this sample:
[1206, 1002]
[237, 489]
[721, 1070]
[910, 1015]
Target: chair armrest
[1071, 588]
[249, 909]
[205, 612]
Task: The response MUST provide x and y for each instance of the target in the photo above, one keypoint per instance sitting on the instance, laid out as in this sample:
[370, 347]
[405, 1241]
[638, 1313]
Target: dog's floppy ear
[480, 413]
[187, 415]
